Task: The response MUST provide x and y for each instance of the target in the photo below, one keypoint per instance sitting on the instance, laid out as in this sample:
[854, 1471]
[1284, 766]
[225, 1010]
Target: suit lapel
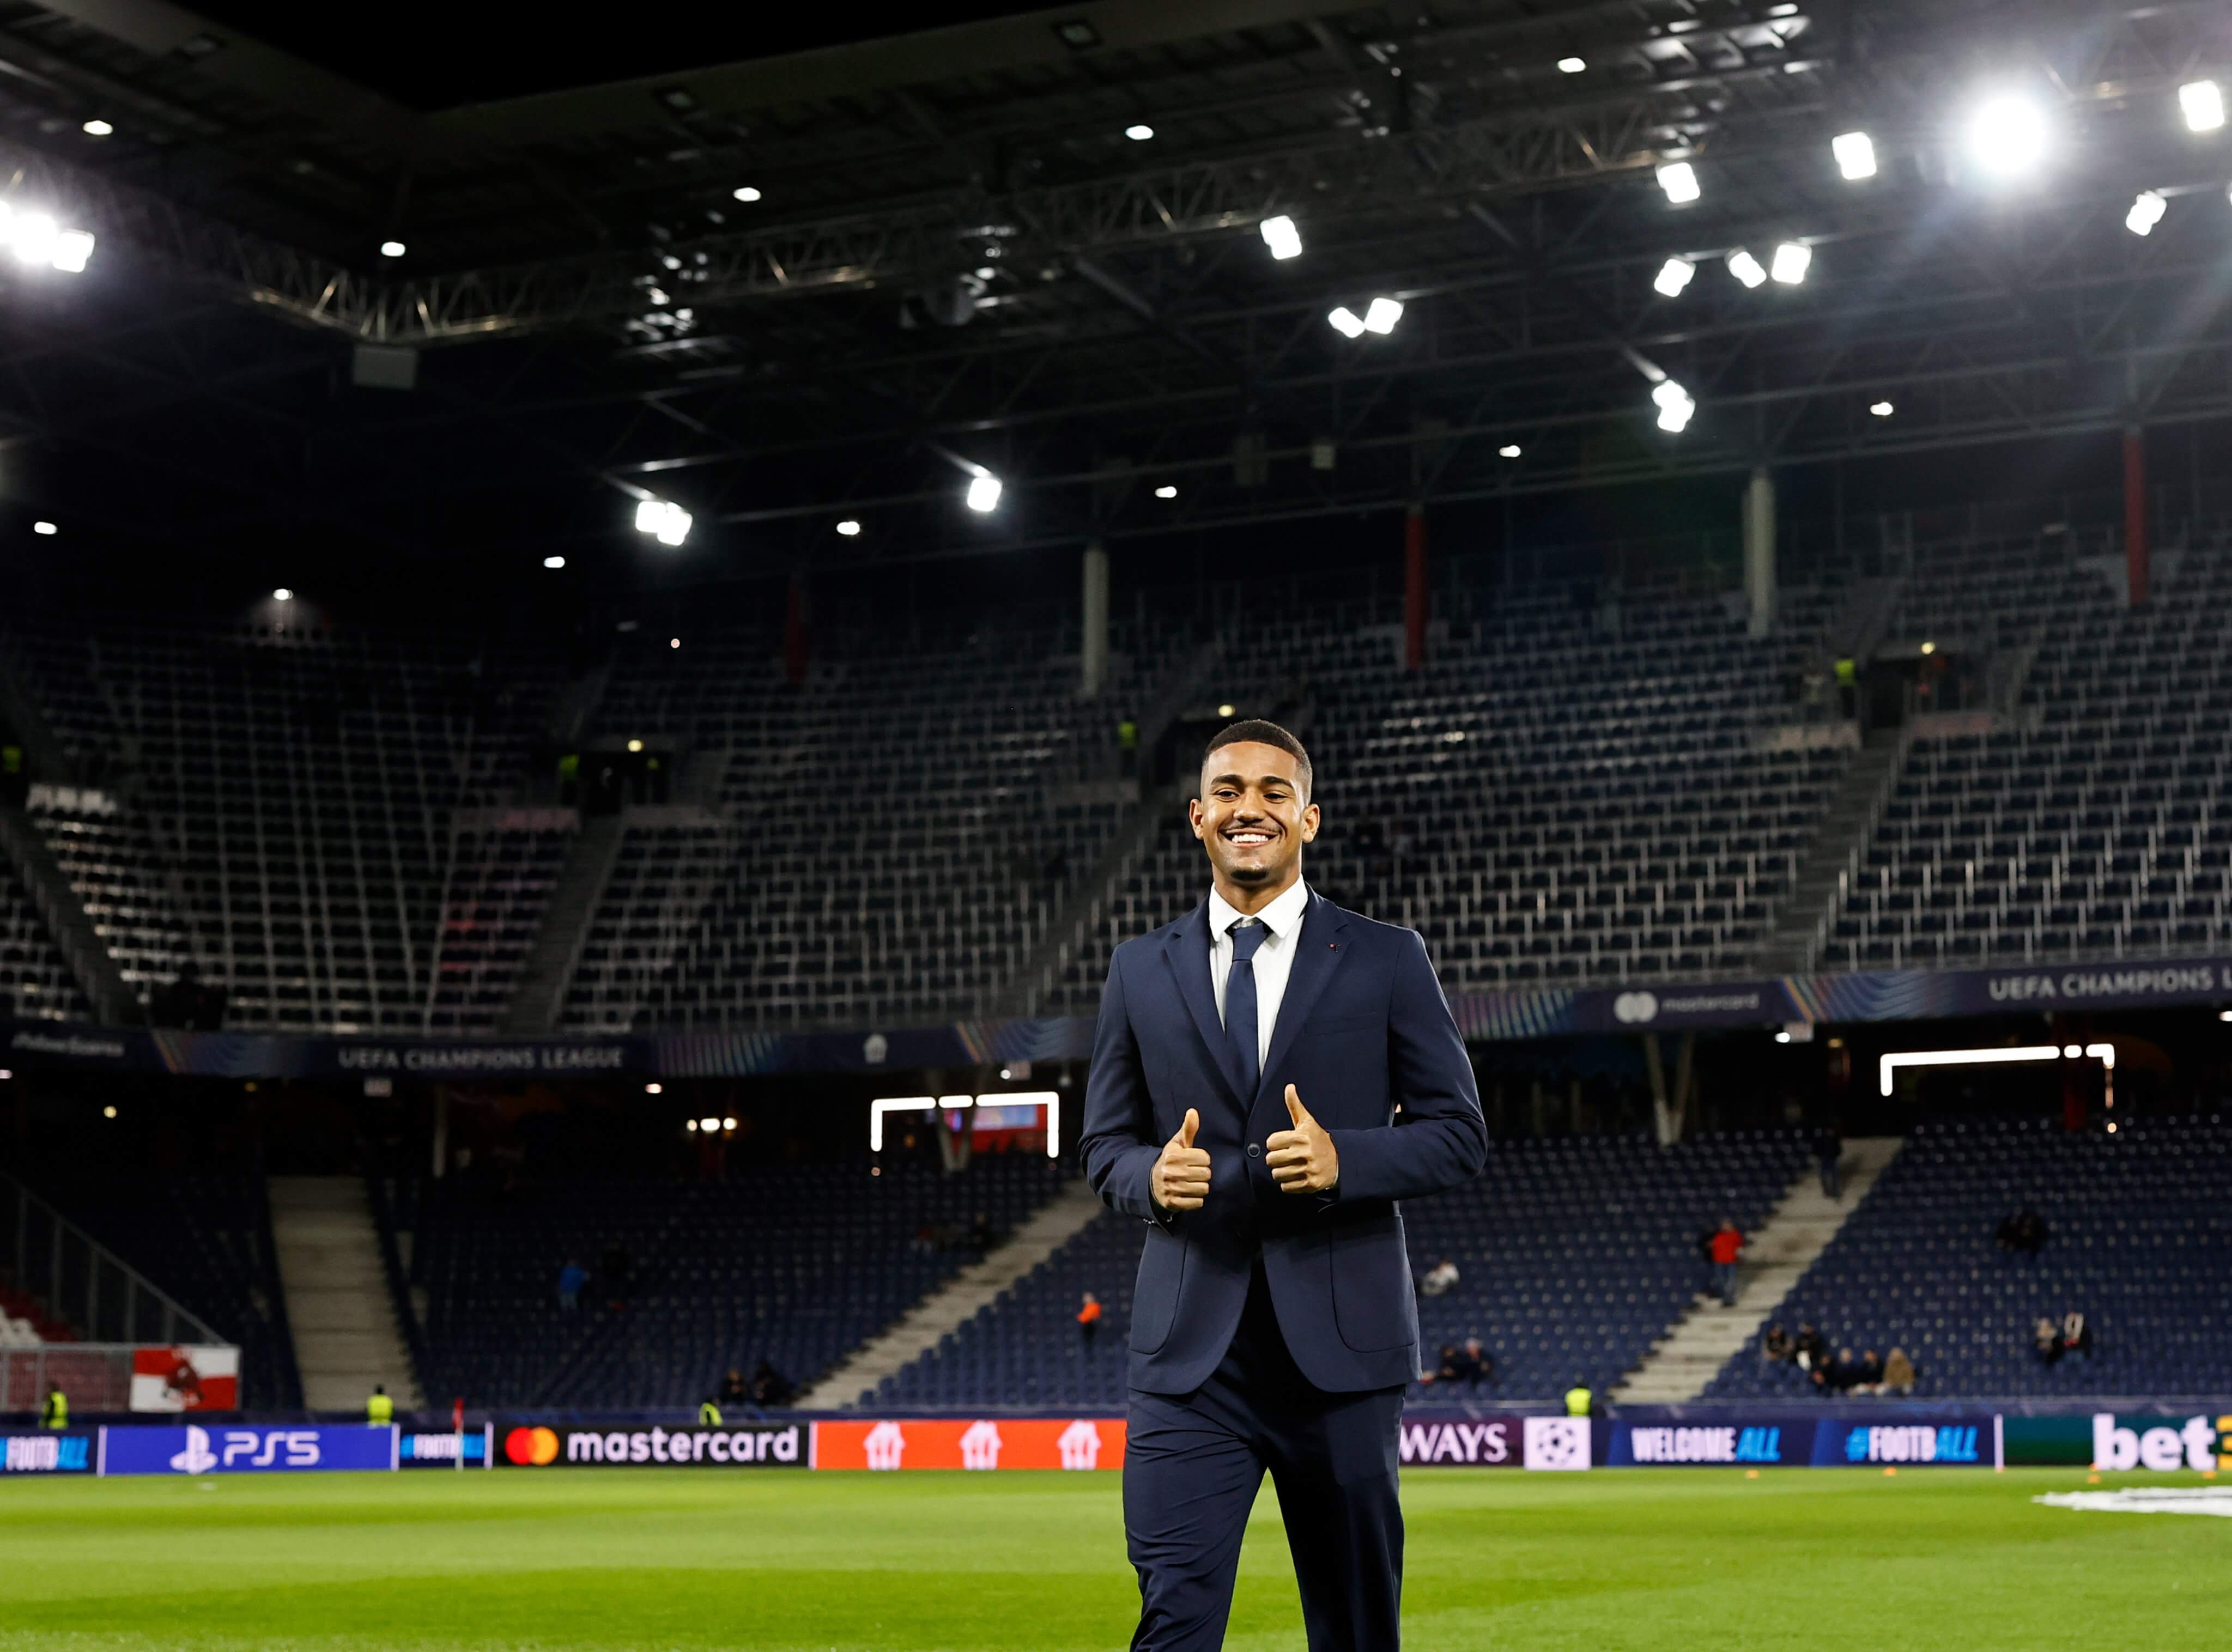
[1317, 952]
[1187, 951]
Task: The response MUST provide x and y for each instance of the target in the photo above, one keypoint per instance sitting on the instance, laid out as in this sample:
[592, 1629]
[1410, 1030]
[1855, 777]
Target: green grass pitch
[683, 1558]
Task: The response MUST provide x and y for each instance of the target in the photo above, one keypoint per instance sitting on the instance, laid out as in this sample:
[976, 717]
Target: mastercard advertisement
[983, 1443]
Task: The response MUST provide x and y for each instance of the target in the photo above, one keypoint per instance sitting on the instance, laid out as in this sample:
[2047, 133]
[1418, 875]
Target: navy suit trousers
[1194, 1462]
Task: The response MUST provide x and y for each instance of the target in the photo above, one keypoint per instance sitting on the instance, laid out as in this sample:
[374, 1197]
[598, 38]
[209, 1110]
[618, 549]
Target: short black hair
[1259, 732]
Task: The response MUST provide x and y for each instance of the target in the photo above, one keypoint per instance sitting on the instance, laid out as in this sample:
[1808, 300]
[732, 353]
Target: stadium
[682, 699]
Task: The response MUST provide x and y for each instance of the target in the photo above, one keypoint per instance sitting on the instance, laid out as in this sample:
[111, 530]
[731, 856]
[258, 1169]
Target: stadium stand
[795, 1265]
[286, 799]
[1566, 793]
[34, 977]
[2138, 1232]
[2089, 823]
[500, 879]
[964, 823]
[1574, 1255]
[206, 1241]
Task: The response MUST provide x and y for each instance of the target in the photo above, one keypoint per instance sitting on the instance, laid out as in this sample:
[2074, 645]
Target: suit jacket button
[1255, 1150]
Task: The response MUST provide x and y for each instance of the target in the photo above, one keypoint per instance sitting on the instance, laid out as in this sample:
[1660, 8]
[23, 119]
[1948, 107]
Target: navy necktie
[1239, 1024]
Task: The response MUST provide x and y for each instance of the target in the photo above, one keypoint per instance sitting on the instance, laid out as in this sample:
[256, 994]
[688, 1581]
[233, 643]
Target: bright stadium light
[553, 561]
[2202, 101]
[709, 1124]
[1572, 65]
[1881, 409]
[1673, 276]
[1281, 235]
[1675, 405]
[1792, 259]
[983, 493]
[848, 528]
[99, 128]
[283, 594]
[1138, 131]
[1381, 315]
[1856, 155]
[1746, 268]
[390, 249]
[747, 194]
[663, 519]
[44, 527]
[2008, 135]
[1508, 450]
[36, 239]
[2147, 210]
[1166, 491]
[1679, 180]
[1346, 322]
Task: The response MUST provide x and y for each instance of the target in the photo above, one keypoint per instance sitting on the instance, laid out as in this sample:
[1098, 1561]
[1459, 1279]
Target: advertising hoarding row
[2165, 1441]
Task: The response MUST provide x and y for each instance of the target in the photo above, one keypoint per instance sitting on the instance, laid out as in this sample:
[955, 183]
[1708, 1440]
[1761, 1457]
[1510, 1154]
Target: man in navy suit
[1273, 1324]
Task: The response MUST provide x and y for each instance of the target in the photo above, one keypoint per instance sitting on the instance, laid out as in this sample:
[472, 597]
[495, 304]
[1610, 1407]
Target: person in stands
[1088, 1321]
[733, 1391]
[2046, 1341]
[771, 1388]
[1727, 1246]
[1438, 1278]
[379, 1409]
[1828, 1155]
[571, 1278]
[1479, 1367]
[54, 1412]
[2076, 1335]
[1898, 1374]
[1776, 1346]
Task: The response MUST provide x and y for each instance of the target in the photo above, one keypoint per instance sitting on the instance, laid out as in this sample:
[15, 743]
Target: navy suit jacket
[1363, 1028]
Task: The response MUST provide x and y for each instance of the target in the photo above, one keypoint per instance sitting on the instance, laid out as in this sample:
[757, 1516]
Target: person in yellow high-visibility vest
[379, 1409]
[55, 1413]
[1578, 1399]
[709, 1415]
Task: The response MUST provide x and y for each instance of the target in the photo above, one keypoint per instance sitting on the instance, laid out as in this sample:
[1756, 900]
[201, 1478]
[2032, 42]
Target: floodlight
[1572, 65]
[674, 642]
[1791, 260]
[44, 527]
[1281, 235]
[1508, 450]
[1346, 322]
[2008, 135]
[283, 594]
[746, 194]
[1856, 155]
[1166, 491]
[665, 521]
[1673, 275]
[553, 561]
[728, 1123]
[690, 1124]
[848, 528]
[2201, 100]
[99, 128]
[1675, 405]
[2147, 210]
[33, 236]
[1745, 268]
[1881, 409]
[1381, 315]
[390, 249]
[1679, 180]
[709, 1123]
[1226, 709]
[1929, 647]
[635, 745]
[73, 250]
[984, 492]
[1139, 131]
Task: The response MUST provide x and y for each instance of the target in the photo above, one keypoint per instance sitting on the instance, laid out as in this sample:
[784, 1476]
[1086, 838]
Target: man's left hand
[1302, 1160]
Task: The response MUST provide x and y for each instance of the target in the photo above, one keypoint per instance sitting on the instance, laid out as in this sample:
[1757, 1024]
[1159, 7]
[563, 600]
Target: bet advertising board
[2124, 1442]
[981, 1443]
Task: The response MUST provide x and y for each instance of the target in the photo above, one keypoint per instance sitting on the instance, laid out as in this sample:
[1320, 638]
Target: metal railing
[79, 1281]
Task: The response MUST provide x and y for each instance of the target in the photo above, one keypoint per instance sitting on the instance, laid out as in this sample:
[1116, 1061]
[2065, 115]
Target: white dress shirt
[1274, 960]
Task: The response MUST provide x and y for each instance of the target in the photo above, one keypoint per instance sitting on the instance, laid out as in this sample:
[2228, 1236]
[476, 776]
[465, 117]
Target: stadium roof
[955, 259]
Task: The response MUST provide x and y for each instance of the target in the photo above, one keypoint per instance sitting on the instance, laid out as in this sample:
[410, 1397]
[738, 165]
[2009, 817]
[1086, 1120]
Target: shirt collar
[1283, 916]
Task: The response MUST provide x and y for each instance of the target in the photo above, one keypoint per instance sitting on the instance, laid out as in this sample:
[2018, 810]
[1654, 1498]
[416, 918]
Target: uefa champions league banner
[248, 1450]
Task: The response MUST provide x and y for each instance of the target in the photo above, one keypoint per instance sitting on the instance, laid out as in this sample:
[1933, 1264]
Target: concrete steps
[918, 1331]
[338, 1305]
[1695, 1346]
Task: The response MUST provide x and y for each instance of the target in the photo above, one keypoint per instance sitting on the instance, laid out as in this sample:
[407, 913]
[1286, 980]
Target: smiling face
[1253, 817]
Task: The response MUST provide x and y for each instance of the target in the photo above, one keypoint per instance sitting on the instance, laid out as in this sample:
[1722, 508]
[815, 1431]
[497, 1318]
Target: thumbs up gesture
[1302, 1160]
[1180, 1181]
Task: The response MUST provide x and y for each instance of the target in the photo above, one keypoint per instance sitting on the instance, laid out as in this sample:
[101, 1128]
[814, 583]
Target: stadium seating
[888, 842]
[2094, 824]
[500, 880]
[205, 1241]
[795, 1265]
[286, 802]
[2139, 1234]
[1563, 794]
[1574, 1255]
[34, 977]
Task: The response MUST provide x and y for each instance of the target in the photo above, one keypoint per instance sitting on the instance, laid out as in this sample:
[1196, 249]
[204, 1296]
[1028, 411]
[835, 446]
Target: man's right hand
[1181, 1177]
